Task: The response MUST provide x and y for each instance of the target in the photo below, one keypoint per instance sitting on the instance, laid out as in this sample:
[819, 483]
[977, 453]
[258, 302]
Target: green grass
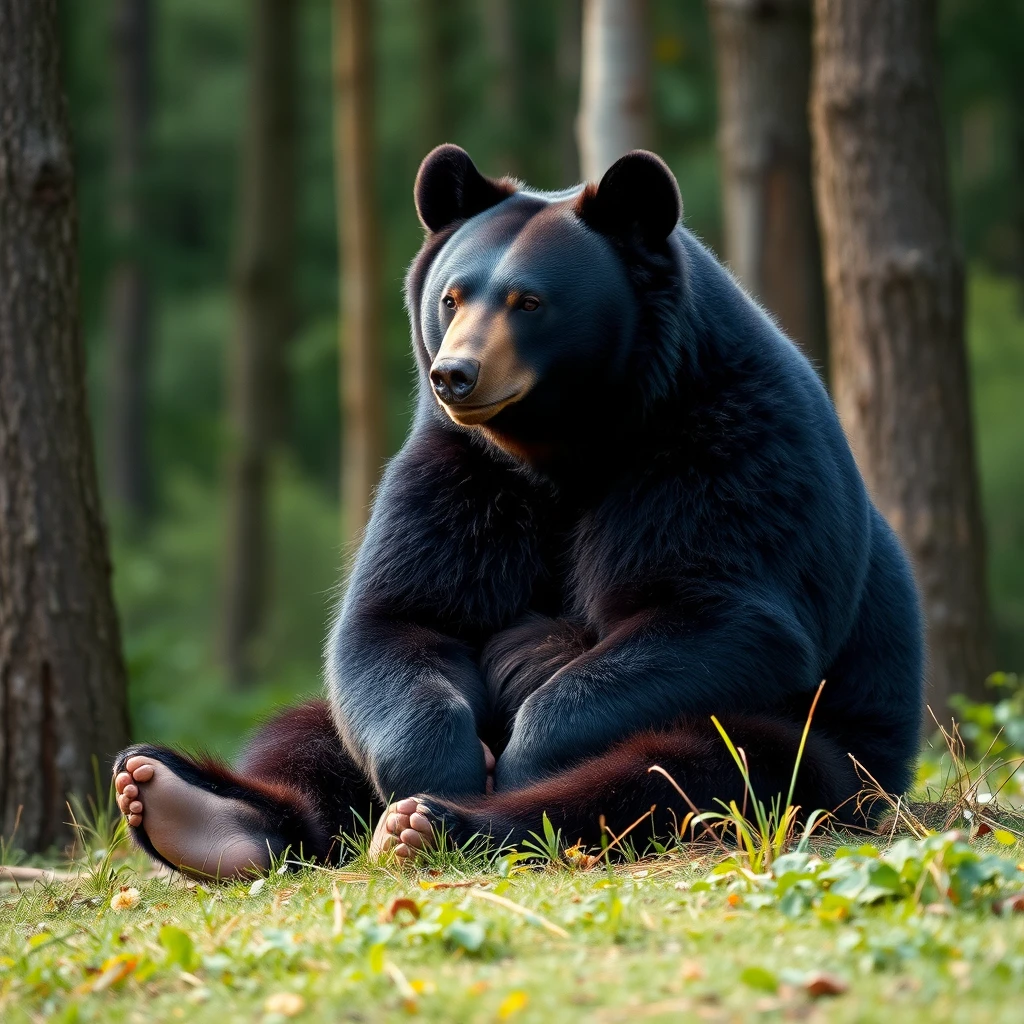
[909, 934]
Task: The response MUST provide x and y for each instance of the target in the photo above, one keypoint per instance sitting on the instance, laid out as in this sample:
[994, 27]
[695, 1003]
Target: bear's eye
[528, 303]
[449, 302]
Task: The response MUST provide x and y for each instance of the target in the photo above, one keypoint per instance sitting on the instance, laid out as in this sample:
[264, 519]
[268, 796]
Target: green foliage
[937, 869]
[547, 846]
[997, 728]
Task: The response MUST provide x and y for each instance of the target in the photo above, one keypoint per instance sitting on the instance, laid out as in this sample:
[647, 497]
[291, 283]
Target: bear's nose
[454, 379]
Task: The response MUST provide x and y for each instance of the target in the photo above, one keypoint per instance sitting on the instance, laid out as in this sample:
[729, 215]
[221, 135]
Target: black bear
[625, 504]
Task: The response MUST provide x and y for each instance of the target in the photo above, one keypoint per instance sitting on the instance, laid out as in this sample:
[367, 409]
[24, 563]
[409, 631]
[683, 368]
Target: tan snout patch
[503, 378]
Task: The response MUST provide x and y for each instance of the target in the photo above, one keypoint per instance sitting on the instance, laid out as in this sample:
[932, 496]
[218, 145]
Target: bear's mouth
[473, 415]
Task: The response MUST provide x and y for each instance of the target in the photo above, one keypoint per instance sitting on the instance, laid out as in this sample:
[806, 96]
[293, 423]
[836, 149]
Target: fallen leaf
[400, 903]
[127, 899]
[759, 977]
[1011, 905]
[512, 1004]
[821, 983]
[288, 1004]
[692, 970]
[116, 969]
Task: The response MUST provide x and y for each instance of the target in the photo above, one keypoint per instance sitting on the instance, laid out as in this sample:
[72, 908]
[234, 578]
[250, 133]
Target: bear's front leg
[408, 702]
[650, 671]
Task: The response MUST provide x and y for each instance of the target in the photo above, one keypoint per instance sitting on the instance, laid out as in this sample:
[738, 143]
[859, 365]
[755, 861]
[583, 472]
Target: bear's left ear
[637, 197]
[450, 188]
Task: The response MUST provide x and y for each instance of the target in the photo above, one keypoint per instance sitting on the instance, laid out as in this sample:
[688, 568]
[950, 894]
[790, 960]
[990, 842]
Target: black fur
[669, 525]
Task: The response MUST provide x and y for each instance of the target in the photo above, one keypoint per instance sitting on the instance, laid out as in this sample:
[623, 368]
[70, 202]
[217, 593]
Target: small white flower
[126, 899]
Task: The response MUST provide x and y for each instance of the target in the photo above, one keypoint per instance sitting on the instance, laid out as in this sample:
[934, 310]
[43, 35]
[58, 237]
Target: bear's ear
[450, 188]
[637, 197]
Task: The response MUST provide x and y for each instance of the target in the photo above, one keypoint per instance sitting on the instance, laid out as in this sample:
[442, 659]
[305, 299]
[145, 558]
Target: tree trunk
[896, 309]
[437, 28]
[570, 29]
[361, 386]
[615, 90]
[263, 282]
[127, 465]
[503, 108]
[1017, 138]
[763, 59]
[62, 681]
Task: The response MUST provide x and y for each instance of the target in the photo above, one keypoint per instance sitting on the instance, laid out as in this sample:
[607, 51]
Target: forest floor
[916, 929]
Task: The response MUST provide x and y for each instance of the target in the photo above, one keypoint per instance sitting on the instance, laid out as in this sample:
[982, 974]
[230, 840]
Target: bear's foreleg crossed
[651, 669]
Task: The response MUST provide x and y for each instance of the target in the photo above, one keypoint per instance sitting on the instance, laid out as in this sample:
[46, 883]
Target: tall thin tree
[362, 393]
[763, 60]
[127, 465]
[62, 679]
[567, 64]
[264, 319]
[615, 89]
[895, 290]
[503, 77]
[437, 24]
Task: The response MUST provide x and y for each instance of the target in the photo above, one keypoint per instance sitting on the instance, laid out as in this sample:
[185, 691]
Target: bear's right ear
[450, 188]
[637, 197]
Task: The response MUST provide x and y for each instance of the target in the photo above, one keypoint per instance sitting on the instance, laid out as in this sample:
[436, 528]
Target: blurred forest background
[501, 79]
[205, 138]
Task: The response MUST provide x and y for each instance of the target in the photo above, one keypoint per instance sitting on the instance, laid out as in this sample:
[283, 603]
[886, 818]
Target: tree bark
[895, 291]
[63, 698]
[361, 386]
[503, 101]
[570, 29]
[763, 60]
[263, 283]
[438, 27]
[127, 464]
[615, 90]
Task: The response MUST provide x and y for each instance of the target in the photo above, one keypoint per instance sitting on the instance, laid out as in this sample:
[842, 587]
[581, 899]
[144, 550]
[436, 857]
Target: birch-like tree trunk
[763, 61]
[615, 88]
[437, 24]
[895, 290]
[570, 29]
[503, 99]
[125, 423]
[63, 698]
[361, 385]
[264, 320]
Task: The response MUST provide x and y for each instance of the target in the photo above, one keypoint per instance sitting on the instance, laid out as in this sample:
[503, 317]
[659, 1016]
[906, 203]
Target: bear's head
[525, 305]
